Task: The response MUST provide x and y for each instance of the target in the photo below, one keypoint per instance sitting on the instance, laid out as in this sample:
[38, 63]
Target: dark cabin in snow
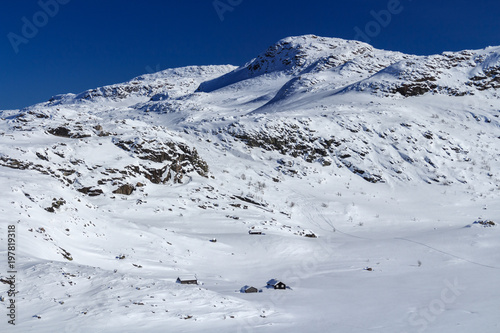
[249, 289]
[255, 232]
[276, 284]
[187, 280]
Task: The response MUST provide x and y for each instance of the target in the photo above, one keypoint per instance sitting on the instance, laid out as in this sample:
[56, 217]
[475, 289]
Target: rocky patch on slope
[451, 73]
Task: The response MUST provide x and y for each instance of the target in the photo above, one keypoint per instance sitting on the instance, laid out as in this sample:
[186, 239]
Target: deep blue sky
[90, 43]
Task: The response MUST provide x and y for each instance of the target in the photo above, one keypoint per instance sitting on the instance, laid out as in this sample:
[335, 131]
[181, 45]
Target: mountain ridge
[288, 77]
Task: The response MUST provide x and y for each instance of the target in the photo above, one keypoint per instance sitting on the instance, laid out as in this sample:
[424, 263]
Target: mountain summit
[294, 56]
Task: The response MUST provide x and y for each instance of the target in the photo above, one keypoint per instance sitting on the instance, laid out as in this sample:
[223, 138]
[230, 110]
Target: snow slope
[364, 169]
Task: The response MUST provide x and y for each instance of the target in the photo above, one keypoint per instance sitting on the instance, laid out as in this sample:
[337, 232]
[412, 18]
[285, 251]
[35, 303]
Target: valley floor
[386, 258]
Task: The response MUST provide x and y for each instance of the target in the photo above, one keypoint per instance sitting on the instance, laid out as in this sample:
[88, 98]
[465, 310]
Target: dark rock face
[56, 204]
[422, 75]
[417, 89]
[490, 79]
[126, 189]
[14, 163]
[60, 131]
[90, 191]
[301, 141]
[67, 133]
[182, 158]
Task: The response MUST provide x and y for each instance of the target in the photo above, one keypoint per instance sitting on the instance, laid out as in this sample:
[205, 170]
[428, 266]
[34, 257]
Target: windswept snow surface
[363, 169]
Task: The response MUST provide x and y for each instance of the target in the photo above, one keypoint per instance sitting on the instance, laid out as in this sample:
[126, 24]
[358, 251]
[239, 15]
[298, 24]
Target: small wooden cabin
[187, 280]
[250, 289]
[276, 284]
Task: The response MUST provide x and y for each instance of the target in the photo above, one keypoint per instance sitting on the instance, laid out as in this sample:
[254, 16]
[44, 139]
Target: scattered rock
[90, 191]
[126, 189]
[66, 254]
[60, 131]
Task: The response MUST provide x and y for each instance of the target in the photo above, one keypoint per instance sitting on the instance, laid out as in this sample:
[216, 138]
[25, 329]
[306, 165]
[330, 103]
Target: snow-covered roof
[187, 278]
[248, 287]
[273, 282]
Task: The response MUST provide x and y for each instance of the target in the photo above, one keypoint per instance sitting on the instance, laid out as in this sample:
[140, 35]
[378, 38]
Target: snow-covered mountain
[363, 169]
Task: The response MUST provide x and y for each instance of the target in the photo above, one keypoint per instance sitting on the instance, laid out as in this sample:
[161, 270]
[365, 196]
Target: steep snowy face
[300, 54]
[293, 56]
[287, 73]
[331, 74]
